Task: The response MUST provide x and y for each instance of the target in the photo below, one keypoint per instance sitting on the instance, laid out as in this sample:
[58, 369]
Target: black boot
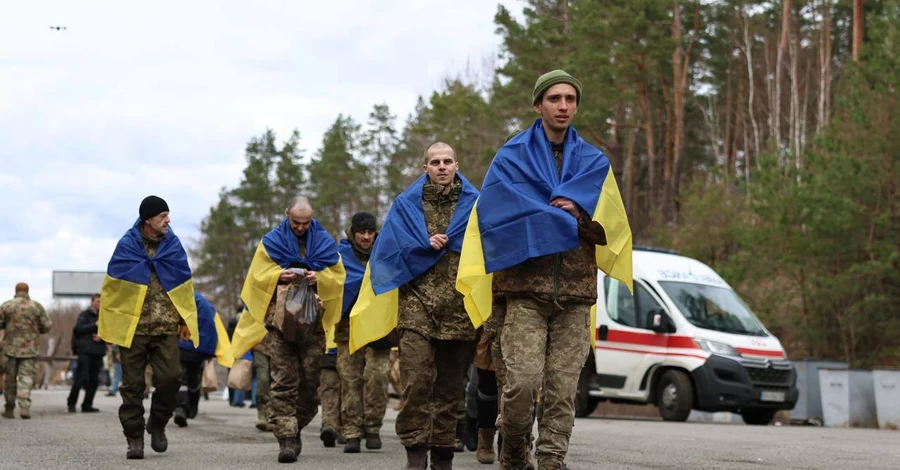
[158, 441]
[416, 458]
[180, 418]
[460, 437]
[329, 437]
[135, 448]
[470, 436]
[352, 446]
[442, 458]
[287, 452]
[373, 441]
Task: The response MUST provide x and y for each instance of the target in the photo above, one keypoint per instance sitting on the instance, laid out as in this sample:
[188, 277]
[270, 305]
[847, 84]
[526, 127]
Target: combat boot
[298, 445]
[158, 441]
[329, 436]
[485, 451]
[180, 418]
[373, 441]
[24, 413]
[442, 458]
[287, 452]
[135, 448]
[352, 446]
[8, 412]
[516, 456]
[261, 422]
[470, 436]
[416, 458]
[460, 437]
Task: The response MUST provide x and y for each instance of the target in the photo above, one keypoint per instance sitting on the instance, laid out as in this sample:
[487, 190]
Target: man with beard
[364, 374]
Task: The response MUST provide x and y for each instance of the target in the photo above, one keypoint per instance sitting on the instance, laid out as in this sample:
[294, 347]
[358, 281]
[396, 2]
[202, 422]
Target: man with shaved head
[25, 320]
[298, 251]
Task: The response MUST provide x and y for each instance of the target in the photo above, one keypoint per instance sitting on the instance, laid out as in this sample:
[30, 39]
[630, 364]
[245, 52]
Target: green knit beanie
[555, 77]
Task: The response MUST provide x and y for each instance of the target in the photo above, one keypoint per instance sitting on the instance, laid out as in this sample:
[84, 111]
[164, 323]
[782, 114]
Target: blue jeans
[117, 378]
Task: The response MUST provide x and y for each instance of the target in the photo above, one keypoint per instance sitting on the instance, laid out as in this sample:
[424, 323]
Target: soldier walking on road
[25, 320]
[147, 306]
[364, 374]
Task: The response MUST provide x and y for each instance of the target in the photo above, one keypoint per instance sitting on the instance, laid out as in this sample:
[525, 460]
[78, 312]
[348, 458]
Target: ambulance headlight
[716, 348]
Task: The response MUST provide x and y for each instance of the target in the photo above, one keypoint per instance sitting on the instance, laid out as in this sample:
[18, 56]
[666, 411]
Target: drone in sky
[58, 28]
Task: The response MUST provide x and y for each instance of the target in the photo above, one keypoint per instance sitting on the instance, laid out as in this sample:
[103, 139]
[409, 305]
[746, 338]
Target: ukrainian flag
[127, 278]
[513, 220]
[280, 250]
[355, 272]
[213, 335]
[402, 252]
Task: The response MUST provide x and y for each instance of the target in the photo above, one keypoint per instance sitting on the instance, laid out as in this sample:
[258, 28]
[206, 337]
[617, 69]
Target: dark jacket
[85, 329]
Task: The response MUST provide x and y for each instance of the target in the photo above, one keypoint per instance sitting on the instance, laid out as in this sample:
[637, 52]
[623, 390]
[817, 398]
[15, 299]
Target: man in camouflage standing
[364, 374]
[25, 321]
[545, 334]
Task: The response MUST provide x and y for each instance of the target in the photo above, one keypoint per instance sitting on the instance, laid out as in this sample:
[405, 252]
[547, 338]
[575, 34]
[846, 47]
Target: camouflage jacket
[25, 321]
[563, 277]
[158, 315]
[430, 304]
[342, 333]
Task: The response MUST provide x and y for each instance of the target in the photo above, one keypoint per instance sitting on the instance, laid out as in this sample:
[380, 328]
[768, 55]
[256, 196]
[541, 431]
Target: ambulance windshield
[713, 308]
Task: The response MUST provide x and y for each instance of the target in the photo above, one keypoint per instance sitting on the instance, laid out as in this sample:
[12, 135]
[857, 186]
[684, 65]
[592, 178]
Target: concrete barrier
[848, 398]
[887, 398]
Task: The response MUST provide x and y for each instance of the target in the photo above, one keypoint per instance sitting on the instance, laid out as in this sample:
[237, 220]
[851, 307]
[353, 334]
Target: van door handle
[604, 333]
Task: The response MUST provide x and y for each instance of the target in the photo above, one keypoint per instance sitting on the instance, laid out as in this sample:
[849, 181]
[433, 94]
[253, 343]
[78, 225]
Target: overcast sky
[161, 98]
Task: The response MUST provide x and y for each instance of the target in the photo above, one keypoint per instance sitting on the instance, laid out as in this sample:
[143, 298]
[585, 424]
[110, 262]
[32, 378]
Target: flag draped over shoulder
[213, 335]
[279, 250]
[127, 279]
[355, 271]
[513, 220]
[402, 252]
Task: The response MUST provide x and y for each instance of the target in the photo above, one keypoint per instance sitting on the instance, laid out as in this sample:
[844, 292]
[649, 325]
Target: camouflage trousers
[330, 396]
[161, 354]
[364, 389]
[294, 373]
[432, 381]
[261, 371]
[544, 349]
[19, 381]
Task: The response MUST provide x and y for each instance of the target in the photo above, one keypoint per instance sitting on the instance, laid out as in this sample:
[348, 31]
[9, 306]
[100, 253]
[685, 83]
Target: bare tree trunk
[858, 28]
[779, 69]
[681, 60]
[728, 134]
[738, 125]
[748, 52]
[631, 179]
[824, 68]
[794, 125]
[650, 142]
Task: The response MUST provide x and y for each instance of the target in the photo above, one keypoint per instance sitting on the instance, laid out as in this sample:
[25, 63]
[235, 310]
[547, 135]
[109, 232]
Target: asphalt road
[224, 437]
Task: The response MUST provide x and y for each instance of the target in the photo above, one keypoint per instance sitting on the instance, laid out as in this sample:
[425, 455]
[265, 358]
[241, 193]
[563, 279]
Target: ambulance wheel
[584, 402]
[758, 416]
[675, 395]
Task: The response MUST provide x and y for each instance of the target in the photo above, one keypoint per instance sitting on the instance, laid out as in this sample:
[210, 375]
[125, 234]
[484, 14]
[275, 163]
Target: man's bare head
[440, 163]
[299, 213]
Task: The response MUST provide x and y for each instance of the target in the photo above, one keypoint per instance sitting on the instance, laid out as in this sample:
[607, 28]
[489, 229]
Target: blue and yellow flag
[402, 252]
[213, 335]
[513, 220]
[127, 278]
[280, 250]
[355, 271]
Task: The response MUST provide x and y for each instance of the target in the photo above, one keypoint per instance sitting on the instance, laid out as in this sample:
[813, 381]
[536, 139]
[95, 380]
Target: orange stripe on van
[651, 339]
[761, 352]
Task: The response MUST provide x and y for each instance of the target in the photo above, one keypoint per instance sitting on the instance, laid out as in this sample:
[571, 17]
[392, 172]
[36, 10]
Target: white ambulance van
[683, 341]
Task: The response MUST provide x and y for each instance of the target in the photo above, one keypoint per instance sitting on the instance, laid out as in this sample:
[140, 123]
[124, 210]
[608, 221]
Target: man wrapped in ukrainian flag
[147, 305]
[548, 216]
[294, 348]
[214, 343]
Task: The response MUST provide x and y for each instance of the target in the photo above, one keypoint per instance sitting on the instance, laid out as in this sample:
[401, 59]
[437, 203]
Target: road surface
[223, 437]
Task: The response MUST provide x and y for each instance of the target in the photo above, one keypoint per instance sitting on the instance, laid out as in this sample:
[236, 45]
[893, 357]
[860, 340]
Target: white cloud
[161, 98]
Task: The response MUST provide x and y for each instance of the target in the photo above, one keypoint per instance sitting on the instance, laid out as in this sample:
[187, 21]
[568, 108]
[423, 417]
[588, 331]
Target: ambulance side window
[624, 309]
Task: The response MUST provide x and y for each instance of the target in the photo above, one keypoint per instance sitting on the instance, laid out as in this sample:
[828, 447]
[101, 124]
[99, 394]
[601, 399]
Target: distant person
[235, 397]
[116, 361]
[147, 306]
[25, 321]
[91, 350]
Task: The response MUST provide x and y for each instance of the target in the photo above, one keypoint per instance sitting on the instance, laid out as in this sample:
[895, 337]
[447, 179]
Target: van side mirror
[660, 322]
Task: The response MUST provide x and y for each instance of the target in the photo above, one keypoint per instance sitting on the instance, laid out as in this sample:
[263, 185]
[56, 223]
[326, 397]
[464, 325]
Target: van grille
[769, 376]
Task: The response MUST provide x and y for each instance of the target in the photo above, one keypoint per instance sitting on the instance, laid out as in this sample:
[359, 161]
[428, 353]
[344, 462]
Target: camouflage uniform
[261, 371]
[437, 339]
[24, 320]
[545, 338]
[330, 392]
[155, 344]
[364, 377]
[293, 370]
